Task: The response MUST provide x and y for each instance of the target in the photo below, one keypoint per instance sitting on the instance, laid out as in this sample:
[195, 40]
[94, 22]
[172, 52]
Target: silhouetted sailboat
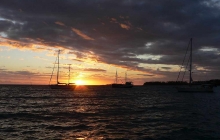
[58, 85]
[191, 87]
[125, 85]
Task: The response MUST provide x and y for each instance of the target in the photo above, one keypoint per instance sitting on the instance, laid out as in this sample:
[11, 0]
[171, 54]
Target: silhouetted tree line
[166, 83]
[214, 82]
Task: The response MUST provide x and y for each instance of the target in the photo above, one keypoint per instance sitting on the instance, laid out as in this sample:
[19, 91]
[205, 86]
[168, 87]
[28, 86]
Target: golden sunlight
[80, 82]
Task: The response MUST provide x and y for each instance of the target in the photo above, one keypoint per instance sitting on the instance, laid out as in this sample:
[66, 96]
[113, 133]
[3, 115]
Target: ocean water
[102, 112]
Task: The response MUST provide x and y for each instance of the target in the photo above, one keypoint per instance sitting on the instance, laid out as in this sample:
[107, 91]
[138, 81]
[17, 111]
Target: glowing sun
[79, 82]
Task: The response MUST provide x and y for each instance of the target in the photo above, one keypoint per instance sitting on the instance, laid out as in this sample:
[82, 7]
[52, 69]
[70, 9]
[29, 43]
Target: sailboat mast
[116, 77]
[125, 77]
[69, 74]
[58, 67]
[190, 70]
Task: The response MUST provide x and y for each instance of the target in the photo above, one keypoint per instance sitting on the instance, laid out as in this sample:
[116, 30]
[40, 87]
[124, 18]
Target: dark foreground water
[101, 112]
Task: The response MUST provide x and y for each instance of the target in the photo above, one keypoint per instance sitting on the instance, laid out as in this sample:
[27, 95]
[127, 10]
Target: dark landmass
[214, 82]
[165, 83]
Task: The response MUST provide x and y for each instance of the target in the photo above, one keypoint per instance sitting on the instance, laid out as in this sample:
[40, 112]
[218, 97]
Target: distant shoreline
[215, 82]
[48, 85]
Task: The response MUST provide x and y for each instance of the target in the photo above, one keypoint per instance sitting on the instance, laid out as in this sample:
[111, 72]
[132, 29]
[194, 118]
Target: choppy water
[101, 112]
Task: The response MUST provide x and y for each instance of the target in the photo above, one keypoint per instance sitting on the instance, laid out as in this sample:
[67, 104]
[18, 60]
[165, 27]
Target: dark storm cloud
[94, 70]
[118, 31]
[2, 69]
[5, 72]
[166, 68]
[145, 74]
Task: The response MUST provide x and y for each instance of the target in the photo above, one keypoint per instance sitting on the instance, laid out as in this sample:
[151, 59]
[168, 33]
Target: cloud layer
[130, 34]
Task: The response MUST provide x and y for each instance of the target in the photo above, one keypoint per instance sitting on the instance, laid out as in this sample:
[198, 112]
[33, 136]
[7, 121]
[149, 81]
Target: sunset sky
[145, 38]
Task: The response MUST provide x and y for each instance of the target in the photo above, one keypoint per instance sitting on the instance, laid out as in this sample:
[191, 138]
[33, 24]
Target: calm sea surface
[102, 112]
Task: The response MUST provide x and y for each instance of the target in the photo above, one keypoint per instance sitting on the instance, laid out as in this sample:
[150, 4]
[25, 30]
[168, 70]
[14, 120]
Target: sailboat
[191, 87]
[127, 84]
[58, 85]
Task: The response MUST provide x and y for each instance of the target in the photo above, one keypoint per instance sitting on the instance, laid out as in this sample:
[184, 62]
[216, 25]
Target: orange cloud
[13, 43]
[60, 23]
[114, 20]
[84, 36]
[124, 26]
[25, 44]
[94, 70]
[140, 29]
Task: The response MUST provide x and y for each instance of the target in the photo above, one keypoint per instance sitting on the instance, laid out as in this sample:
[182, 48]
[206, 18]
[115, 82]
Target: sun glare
[79, 82]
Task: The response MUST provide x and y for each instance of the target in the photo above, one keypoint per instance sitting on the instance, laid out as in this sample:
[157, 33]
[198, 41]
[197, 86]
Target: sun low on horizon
[109, 69]
[33, 67]
[80, 82]
[145, 44]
